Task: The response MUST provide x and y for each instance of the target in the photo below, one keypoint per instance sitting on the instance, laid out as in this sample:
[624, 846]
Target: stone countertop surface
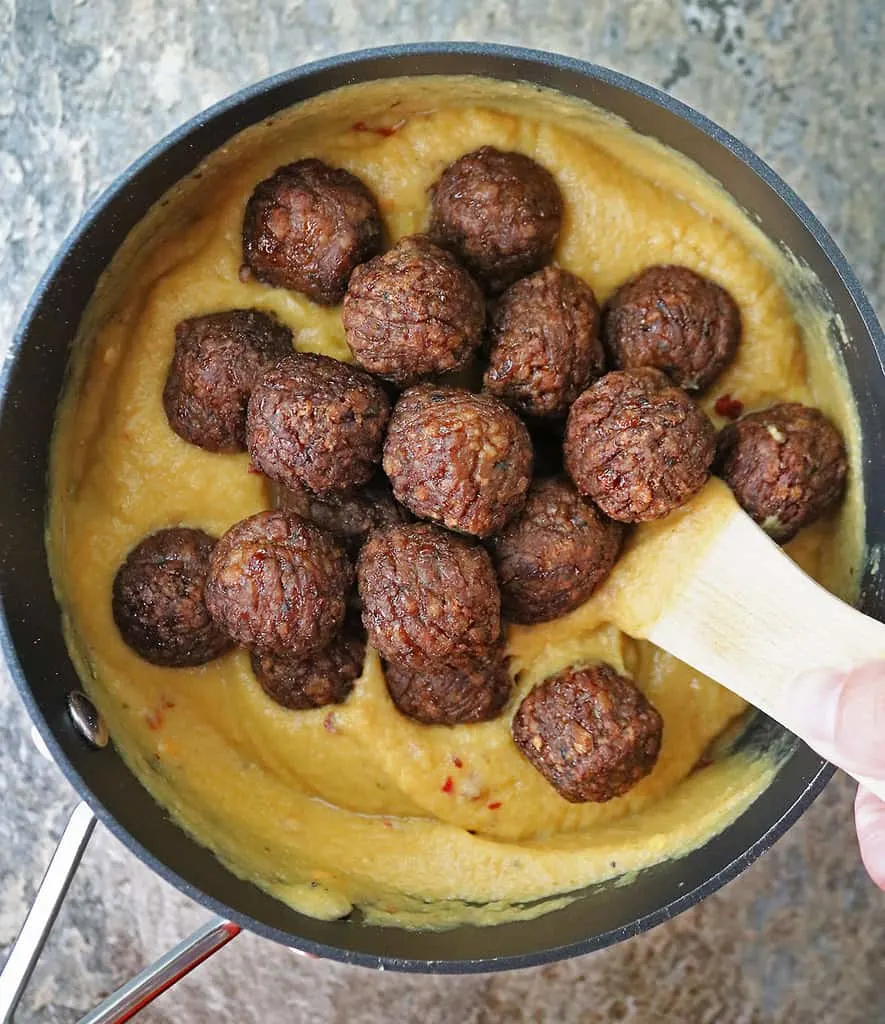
[85, 87]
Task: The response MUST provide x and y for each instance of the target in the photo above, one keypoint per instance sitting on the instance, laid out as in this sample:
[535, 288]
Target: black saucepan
[30, 629]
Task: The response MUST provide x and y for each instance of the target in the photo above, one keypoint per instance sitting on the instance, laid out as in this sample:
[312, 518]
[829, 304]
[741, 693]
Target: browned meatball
[470, 690]
[786, 466]
[554, 554]
[461, 459]
[413, 312]
[218, 358]
[307, 226]
[349, 517]
[500, 213]
[428, 596]
[158, 600]
[590, 732]
[637, 445]
[300, 682]
[674, 320]
[316, 422]
[278, 583]
[545, 348]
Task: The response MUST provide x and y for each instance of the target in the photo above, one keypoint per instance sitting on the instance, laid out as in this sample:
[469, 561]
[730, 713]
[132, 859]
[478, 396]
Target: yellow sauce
[351, 806]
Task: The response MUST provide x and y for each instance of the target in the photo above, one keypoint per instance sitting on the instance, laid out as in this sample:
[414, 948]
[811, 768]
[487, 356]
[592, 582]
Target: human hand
[843, 714]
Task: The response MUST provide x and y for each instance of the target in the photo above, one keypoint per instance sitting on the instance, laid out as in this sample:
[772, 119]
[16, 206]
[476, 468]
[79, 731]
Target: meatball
[674, 320]
[428, 596]
[461, 459]
[590, 732]
[301, 682]
[218, 359]
[158, 600]
[307, 226]
[413, 312]
[469, 690]
[786, 466]
[637, 445]
[277, 583]
[545, 348]
[500, 213]
[554, 554]
[318, 423]
[350, 517]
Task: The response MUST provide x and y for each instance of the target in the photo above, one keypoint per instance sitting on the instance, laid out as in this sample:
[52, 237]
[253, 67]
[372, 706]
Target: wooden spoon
[721, 596]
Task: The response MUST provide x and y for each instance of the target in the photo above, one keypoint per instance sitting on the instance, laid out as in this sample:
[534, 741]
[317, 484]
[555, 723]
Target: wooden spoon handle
[750, 618]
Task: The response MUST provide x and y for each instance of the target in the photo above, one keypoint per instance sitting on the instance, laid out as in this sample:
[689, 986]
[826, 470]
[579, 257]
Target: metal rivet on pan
[87, 721]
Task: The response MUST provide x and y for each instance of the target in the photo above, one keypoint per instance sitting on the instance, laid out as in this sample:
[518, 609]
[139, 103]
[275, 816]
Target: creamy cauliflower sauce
[356, 805]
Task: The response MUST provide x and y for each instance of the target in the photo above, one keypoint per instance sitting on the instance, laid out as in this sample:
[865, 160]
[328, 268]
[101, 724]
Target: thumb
[869, 815]
[842, 715]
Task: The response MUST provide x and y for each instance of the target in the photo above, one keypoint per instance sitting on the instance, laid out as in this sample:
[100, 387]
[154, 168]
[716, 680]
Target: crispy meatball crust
[786, 465]
[554, 554]
[590, 732]
[218, 359]
[413, 312]
[316, 422]
[470, 690]
[428, 596]
[278, 584]
[307, 226]
[158, 600]
[460, 459]
[313, 681]
[500, 213]
[674, 320]
[349, 517]
[637, 445]
[545, 347]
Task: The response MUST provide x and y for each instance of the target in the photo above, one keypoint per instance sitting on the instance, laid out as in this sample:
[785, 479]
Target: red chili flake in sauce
[155, 719]
[385, 131]
[252, 469]
[329, 722]
[494, 806]
[387, 823]
[448, 786]
[457, 762]
[168, 703]
[729, 407]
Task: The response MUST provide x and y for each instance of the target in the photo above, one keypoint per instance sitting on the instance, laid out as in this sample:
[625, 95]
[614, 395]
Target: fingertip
[842, 715]
[869, 816]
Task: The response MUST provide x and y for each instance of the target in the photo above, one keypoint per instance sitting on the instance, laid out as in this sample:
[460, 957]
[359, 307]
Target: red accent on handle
[231, 931]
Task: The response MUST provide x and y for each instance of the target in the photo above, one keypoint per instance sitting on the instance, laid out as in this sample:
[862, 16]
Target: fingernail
[816, 708]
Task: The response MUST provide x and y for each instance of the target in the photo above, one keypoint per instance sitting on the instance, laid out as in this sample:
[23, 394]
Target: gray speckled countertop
[85, 87]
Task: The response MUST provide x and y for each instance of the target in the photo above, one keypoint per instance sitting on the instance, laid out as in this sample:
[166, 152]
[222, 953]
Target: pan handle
[123, 1004]
[132, 997]
[27, 947]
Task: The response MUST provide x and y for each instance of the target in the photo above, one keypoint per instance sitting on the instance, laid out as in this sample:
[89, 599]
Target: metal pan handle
[27, 947]
[132, 997]
[144, 988]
